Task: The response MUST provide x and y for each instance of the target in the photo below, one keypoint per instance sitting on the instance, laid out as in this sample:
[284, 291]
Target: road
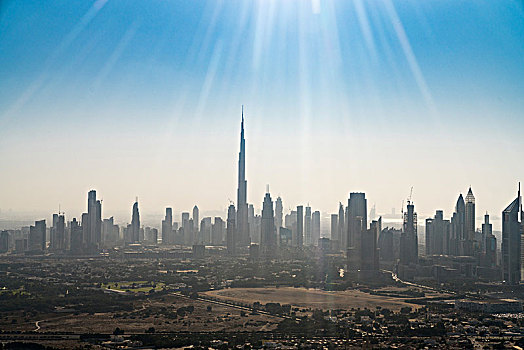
[223, 303]
[396, 279]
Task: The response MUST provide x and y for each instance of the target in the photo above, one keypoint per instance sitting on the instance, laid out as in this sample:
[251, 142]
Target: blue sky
[332, 90]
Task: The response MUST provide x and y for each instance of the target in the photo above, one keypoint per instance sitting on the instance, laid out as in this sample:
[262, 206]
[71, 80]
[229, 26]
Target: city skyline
[149, 105]
[262, 174]
[241, 197]
[456, 239]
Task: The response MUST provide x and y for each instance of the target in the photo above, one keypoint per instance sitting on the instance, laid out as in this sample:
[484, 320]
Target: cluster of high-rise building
[456, 236]
[450, 243]
[87, 236]
[190, 231]
[459, 237]
[455, 248]
[268, 230]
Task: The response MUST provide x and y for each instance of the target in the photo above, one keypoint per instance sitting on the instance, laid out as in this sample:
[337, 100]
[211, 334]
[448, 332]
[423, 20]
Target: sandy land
[310, 298]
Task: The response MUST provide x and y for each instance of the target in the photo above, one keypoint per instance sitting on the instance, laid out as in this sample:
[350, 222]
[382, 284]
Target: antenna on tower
[267, 188]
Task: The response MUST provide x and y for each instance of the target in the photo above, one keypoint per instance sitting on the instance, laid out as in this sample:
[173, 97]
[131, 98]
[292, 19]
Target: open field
[310, 298]
[134, 286]
[160, 313]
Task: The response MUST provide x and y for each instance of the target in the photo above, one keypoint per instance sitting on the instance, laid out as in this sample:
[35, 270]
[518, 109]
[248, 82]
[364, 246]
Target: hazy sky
[143, 98]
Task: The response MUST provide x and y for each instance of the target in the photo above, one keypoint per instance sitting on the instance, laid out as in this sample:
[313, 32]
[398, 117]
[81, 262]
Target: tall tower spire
[242, 207]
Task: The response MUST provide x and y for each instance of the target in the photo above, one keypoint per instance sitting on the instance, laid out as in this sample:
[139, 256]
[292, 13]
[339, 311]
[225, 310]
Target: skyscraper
[242, 223]
[278, 216]
[217, 231]
[110, 232]
[168, 236]
[299, 234]
[231, 230]
[190, 237]
[341, 238]
[315, 227]
[52, 236]
[490, 242]
[290, 222]
[369, 259]
[437, 235]
[4, 241]
[85, 231]
[511, 241]
[251, 222]
[204, 235]
[58, 237]
[93, 223]
[408, 238]
[457, 228]
[307, 226]
[469, 224]
[186, 231]
[37, 236]
[77, 241]
[334, 228]
[357, 218]
[135, 223]
[268, 238]
[196, 214]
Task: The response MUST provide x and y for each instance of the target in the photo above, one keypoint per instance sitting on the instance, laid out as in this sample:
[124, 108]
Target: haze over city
[144, 99]
[261, 174]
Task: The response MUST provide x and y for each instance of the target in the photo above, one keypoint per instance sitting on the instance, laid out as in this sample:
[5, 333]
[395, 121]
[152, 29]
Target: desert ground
[310, 298]
[160, 313]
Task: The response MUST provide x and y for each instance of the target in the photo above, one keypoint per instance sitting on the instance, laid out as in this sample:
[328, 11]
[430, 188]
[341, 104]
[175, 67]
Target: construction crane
[408, 200]
[410, 195]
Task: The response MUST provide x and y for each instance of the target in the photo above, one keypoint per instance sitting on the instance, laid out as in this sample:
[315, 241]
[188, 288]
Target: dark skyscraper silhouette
[490, 242]
[278, 216]
[76, 237]
[217, 231]
[457, 227]
[511, 240]
[231, 230]
[437, 235]
[334, 229]
[58, 239]
[242, 223]
[168, 236]
[268, 238]
[307, 226]
[469, 224]
[196, 218]
[37, 236]
[369, 258]
[93, 231]
[135, 223]
[299, 234]
[315, 227]
[409, 239]
[341, 238]
[357, 218]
